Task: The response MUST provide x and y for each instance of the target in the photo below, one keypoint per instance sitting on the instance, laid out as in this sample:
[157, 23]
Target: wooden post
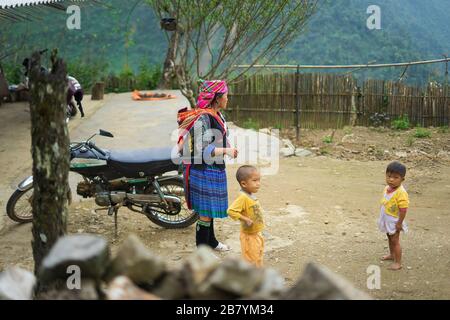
[4, 91]
[297, 103]
[98, 91]
[50, 152]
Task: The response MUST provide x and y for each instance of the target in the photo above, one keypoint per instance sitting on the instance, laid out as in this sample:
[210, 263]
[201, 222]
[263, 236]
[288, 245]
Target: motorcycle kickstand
[114, 210]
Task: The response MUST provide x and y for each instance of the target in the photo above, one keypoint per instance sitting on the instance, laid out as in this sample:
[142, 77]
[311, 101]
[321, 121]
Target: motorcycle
[136, 179]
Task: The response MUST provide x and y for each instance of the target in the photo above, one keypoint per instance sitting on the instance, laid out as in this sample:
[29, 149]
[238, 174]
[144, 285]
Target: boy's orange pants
[252, 247]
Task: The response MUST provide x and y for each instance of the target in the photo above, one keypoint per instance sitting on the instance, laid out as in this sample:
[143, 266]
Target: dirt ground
[321, 208]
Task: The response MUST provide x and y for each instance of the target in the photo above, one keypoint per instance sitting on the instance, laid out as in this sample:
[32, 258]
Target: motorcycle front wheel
[180, 216]
[19, 206]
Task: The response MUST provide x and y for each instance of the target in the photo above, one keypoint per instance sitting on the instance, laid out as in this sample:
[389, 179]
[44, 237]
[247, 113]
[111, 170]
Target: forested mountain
[337, 34]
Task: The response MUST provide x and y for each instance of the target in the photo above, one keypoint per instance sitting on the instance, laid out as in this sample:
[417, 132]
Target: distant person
[75, 91]
[394, 205]
[247, 209]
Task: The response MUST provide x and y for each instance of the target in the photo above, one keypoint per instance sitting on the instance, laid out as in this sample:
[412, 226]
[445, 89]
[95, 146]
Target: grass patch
[348, 130]
[251, 124]
[422, 133]
[401, 123]
[410, 141]
[327, 139]
[443, 129]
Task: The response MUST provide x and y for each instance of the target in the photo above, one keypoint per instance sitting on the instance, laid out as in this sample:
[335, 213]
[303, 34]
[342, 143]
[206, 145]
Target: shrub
[410, 141]
[401, 123]
[87, 73]
[251, 124]
[327, 139]
[443, 129]
[422, 133]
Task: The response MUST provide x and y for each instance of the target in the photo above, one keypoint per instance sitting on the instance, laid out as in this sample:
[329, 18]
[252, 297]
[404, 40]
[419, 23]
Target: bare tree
[212, 36]
[50, 151]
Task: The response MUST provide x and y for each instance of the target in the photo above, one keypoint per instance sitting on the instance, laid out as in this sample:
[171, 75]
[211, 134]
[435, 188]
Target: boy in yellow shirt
[394, 205]
[247, 209]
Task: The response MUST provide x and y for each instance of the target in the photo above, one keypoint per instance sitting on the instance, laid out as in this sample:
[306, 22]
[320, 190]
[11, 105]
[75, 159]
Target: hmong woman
[204, 144]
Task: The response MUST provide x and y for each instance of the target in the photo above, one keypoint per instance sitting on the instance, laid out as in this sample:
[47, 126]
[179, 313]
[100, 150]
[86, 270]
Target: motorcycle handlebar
[93, 146]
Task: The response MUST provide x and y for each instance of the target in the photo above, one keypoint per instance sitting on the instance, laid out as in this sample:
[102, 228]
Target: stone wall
[81, 267]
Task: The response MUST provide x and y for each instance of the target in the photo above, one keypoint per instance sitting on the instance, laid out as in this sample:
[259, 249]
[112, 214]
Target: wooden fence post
[297, 103]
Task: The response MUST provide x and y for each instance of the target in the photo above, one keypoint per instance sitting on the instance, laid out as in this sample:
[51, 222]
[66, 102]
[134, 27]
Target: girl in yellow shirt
[394, 205]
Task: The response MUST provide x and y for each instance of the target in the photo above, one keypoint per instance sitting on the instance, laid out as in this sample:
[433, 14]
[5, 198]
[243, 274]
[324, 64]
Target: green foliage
[422, 133]
[443, 129]
[148, 77]
[410, 141]
[87, 73]
[278, 126]
[327, 139]
[348, 130]
[411, 30]
[401, 123]
[13, 73]
[251, 124]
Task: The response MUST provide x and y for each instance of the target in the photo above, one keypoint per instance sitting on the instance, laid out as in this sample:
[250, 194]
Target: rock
[287, 152]
[122, 288]
[348, 138]
[288, 149]
[200, 264]
[88, 252]
[88, 291]
[443, 154]
[171, 287]
[197, 267]
[136, 262]
[271, 286]
[401, 154]
[303, 153]
[320, 283]
[235, 277]
[288, 144]
[16, 284]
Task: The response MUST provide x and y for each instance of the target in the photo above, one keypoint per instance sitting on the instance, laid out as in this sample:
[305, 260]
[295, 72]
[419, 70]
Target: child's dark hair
[244, 172]
[396, 167]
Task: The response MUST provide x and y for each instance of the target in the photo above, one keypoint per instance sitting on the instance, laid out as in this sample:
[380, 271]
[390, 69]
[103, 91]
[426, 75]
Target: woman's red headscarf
[207, 91]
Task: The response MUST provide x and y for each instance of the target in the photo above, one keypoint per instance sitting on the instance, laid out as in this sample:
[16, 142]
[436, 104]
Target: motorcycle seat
[137, 163]
[141, 156]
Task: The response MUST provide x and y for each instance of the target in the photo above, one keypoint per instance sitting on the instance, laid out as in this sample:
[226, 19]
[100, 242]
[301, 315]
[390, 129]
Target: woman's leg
[212, 241]
[203, 230]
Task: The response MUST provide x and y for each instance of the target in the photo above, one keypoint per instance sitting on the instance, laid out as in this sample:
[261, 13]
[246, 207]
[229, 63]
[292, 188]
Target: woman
[204, 144]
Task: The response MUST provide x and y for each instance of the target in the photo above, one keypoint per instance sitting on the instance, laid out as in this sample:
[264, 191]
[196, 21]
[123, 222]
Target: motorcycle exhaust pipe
[152, 198]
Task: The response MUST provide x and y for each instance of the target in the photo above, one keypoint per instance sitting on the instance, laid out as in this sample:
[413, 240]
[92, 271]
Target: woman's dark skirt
[208, 192]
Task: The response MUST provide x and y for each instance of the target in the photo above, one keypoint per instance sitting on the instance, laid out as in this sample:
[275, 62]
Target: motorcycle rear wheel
[19, 206]
[183, 219]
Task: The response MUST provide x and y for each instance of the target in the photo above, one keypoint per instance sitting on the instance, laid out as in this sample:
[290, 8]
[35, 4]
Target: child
[247, 209]
[394, 205]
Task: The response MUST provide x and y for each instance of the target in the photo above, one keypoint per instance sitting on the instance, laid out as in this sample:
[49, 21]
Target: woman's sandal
[222, 247]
